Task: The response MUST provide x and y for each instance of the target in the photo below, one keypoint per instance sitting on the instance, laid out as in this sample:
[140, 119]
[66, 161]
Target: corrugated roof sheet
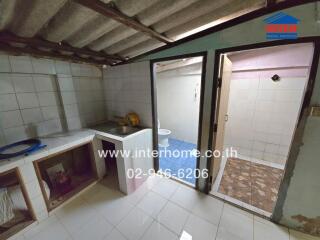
[70, 22]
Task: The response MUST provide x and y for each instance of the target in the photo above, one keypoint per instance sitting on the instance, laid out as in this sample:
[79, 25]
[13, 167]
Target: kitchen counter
[61, 141]
[55, 143]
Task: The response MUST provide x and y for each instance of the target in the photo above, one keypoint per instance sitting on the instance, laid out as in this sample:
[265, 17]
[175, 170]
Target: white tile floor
[161, 210]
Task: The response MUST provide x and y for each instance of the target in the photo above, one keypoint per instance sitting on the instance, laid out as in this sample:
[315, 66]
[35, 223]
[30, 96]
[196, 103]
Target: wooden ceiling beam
[109, 11]
[40, 53]
[269, 3]
[8, 38]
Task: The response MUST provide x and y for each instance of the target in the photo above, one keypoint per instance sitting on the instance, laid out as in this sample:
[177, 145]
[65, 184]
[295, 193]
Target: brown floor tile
[252, 183]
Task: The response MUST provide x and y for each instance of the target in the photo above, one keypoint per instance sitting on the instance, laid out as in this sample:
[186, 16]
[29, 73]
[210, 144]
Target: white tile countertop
[61, 141]
[54, 143]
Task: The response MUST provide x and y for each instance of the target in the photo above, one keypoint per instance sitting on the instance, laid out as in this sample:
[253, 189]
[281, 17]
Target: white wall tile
[27, 100]
[42, 65]
[31, 115]
[48, 99]
[30, 89]
[256, 154]
[15, 134]
[68, 97]
[96, 72]
[74, 123]
[271, 113]
[127, 88]
[79, 70]
[4, 63]
[8, 102]
[10, 119]
[2, 139]
[51, 112]
[23, 83]
[283, 150]
[45, 83]
[49, 127]
[76, 83]
[71, 110]
[6, 84]
[62, 67]
[272, 148]
[66, 84]
[21, 64]
[85, 84]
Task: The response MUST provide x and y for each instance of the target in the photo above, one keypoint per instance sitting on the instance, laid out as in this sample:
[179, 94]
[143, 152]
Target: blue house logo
[281, 26]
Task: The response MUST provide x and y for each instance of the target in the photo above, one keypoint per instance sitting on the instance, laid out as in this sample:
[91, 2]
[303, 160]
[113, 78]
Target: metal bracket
[215, 127]
[219, 82]
[315, 111]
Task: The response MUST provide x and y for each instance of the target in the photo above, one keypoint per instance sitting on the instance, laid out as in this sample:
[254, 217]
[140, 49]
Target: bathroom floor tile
[173, 163]
[251, 183]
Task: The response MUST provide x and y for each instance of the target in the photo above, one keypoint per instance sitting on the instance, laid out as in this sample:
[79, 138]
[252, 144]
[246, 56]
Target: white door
[222, 112]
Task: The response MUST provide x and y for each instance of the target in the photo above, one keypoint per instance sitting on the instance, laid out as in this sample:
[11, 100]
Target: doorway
[177, 106]
[259, 101]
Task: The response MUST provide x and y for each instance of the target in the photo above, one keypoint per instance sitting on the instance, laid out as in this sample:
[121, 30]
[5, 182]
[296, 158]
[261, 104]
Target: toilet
[163, 136]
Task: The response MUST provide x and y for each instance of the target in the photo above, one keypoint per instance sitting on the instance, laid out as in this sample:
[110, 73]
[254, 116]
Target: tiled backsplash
[30, 96]
[127, 89]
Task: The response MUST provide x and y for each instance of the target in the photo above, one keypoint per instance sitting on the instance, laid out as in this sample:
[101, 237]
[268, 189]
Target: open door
[221, 113]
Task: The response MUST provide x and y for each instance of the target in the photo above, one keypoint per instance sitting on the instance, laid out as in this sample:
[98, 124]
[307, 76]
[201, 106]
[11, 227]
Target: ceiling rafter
[109, 10]
[269, 3]
[9, 38]
[40, 53]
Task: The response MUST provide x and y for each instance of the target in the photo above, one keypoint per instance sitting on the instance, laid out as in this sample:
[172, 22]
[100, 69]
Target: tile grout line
[219, 222]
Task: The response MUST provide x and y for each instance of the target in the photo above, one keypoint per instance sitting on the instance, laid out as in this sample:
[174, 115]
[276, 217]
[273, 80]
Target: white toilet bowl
[163, 137]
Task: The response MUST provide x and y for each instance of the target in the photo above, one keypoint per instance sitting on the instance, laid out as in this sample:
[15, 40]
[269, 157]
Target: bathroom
[178, 91]
[260, 112]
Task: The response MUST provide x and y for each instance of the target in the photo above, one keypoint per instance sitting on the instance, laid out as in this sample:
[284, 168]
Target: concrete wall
[303, 194]
[178, 99]
[31, 90]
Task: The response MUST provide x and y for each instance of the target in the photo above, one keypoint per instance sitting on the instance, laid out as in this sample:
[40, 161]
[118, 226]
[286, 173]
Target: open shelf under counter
[64, 174]
[16, 203]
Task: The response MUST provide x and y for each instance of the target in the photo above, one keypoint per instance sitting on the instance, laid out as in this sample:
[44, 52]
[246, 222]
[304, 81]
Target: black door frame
[154, 101]
[290, 164]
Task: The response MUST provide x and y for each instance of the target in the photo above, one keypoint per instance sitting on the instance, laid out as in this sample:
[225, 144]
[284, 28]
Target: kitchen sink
[123, 130]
